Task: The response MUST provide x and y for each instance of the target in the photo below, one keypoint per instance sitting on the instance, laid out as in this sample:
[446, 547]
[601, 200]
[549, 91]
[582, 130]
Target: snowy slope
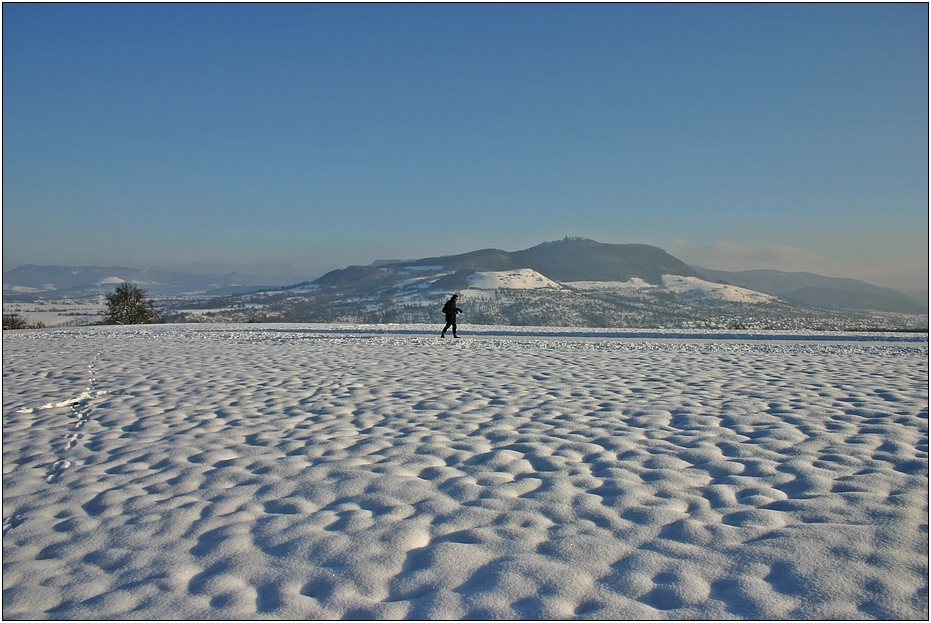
[522, 279]
[693, 287]
[686, 287]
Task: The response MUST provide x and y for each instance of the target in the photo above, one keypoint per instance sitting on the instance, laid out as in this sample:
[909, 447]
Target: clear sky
[299, 138]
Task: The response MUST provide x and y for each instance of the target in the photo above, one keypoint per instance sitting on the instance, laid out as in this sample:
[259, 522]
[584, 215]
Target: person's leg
[448, 325]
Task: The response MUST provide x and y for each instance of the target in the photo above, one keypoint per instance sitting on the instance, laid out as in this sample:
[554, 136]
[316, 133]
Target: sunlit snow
[699, 288]
[522, 279]
[380, 472]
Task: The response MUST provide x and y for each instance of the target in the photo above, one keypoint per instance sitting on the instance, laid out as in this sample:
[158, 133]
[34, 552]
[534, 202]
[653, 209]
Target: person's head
[455, 297]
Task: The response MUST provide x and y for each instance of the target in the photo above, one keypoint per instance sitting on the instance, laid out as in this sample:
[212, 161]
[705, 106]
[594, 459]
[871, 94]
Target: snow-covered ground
[339, 471]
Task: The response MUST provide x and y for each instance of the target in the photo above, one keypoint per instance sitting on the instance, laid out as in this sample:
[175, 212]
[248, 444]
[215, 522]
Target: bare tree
[14, 321]
[128, 304]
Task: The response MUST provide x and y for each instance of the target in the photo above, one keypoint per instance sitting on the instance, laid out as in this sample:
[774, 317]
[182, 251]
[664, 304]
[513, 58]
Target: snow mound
[694, 287]
[109, 280]
[522, 279]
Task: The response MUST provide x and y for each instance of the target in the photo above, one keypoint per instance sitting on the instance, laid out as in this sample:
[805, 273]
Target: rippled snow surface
[337, 471]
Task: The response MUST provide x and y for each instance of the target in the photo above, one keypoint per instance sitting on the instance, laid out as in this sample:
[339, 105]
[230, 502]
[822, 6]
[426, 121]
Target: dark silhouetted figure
[451, 310]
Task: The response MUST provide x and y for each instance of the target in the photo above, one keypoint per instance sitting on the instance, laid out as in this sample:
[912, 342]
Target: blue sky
[298, 138]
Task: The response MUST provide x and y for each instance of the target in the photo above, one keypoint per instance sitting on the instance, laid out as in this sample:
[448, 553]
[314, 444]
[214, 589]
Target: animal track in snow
[80, 410]
[74, 403]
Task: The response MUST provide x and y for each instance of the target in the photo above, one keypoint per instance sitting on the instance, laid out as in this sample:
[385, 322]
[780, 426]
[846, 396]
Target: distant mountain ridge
[818, 291]
[81, 281]
[410, 282]
[568, 283]
[570, 259]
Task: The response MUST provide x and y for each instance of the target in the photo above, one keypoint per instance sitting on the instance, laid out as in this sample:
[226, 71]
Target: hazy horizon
[294, 139]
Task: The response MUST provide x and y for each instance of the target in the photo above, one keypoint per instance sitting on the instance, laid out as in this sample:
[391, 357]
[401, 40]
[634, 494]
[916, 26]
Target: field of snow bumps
[204, 472]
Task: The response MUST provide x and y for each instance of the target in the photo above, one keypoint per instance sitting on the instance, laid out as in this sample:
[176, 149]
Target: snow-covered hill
[819, 291]
[526, 297]
[693, 287]
[521, 279]
[690, 288]
[572, 282]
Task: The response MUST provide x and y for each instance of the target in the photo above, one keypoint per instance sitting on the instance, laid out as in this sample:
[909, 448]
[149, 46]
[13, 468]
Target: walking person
[451, 310]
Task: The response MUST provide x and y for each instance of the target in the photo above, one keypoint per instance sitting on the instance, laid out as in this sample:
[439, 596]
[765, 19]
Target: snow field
[521, 279]
[230, 472]
[687, 287]
[699, 288]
